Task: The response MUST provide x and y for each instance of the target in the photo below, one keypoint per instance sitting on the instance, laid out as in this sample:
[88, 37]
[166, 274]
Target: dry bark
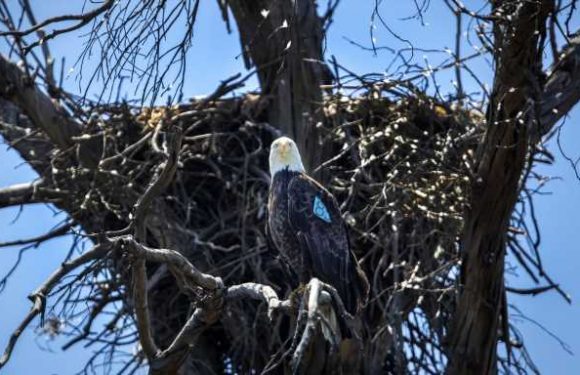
[283, 41]
[501, 159]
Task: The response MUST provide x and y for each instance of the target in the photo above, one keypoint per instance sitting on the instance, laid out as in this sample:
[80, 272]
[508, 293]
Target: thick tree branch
[163, 178]
[23, 136]
[314, 290]
[260, 292]
[18, 194]
[27, 193]
[178, 262]
[57, 232]
[500, 162]
[209, 309]
[43, 113]
[169, 360]
[562, 90]
[142, 309]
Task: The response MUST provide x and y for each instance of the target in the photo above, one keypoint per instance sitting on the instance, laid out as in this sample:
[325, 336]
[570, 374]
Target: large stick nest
[401, 172]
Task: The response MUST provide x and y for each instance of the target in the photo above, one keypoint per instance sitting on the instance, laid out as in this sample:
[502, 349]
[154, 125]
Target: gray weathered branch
[562, 90]
[142, 309]
[500, 161]
[40, 109]
[261, 292]
[189, 277]
[27, 193]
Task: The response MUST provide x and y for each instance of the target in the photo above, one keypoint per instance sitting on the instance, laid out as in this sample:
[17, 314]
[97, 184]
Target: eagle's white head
[284, 154]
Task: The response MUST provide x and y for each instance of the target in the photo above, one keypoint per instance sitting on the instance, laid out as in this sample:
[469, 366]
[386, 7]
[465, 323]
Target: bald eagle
[305, 225]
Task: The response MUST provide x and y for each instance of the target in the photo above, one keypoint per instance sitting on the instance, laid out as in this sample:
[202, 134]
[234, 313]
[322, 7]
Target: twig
[38, 297]
[62, 230]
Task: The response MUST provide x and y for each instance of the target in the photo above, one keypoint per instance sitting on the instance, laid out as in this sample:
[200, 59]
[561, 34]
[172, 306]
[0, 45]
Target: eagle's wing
[315, 216]
[288, 272]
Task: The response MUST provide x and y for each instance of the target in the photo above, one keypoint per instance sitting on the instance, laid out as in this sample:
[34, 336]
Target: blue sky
[558, 212]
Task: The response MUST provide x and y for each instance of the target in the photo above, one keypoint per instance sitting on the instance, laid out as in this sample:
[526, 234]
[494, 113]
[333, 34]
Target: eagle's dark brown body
[283, 236]
[314, 245]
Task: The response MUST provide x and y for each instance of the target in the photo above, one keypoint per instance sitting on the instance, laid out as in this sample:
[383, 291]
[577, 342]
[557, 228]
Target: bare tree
[172, 198]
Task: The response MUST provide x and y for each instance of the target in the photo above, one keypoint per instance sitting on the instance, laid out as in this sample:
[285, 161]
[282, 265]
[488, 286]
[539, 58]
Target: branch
[21, 90]
[27, 193]
[18, 194]
[161, 180]
[48, 59]
[314, 290]
[204, 316]
[531, 291]
[24, 137]
[189, 277]
[209, 308]
[501, 159]
[260, 292]
[562, 90]
[83, 18]
[62, 230]
[170, 360]
[142, 309]
[207, 312]
[325, 323]
[178, 262]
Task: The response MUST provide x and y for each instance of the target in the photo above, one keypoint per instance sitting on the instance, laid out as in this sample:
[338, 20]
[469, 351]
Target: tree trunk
[501, 159]
[283, 40]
